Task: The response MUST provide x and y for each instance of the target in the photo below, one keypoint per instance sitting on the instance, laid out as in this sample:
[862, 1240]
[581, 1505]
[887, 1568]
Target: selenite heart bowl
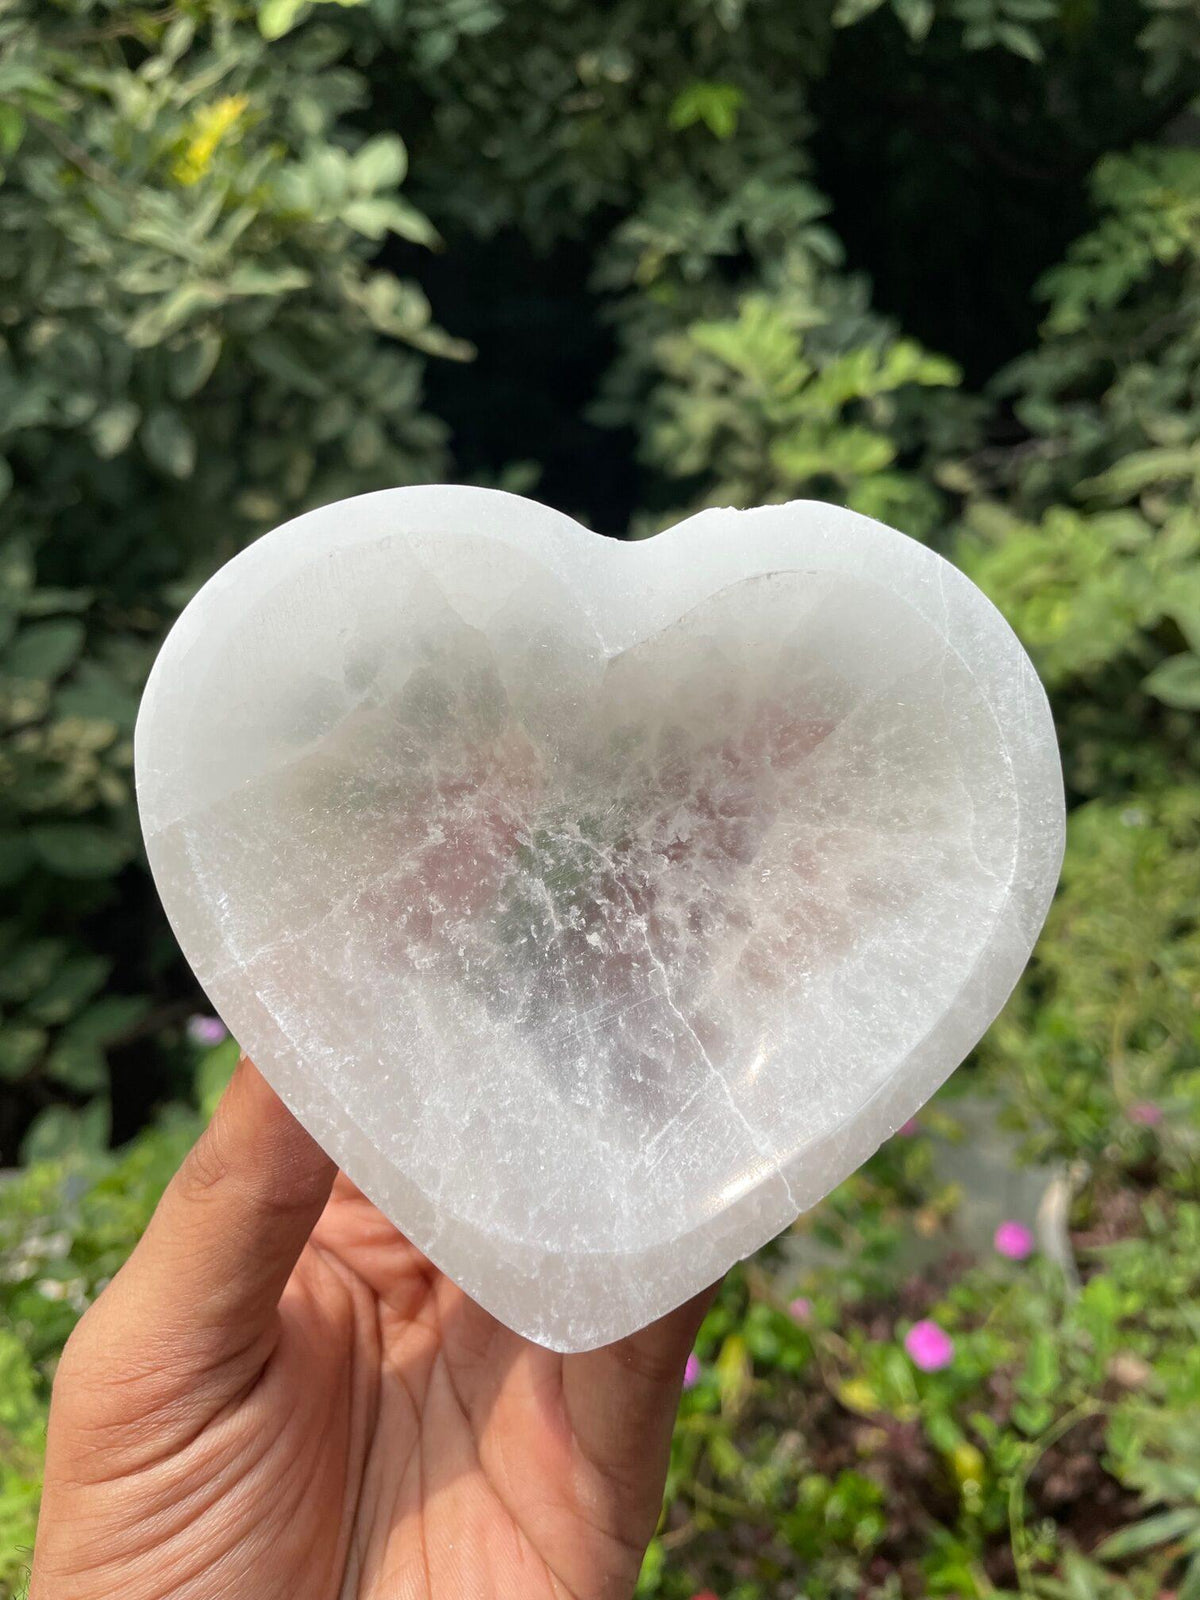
[597, 906]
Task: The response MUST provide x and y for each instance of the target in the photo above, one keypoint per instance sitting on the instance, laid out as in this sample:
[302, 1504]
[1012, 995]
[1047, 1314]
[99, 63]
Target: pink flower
[929, 1347]
[800, 1310]
[691, 1371]
[206, 1030]
[1146, 1114]
[704, 1594]
[906, 1130]
[1014, 1240]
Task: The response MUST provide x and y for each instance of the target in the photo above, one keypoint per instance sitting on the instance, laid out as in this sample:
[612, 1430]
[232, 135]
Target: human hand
[279, 1398]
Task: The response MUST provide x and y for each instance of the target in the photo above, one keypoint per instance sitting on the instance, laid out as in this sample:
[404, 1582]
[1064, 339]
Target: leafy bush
[195, 346]
[818, 1448]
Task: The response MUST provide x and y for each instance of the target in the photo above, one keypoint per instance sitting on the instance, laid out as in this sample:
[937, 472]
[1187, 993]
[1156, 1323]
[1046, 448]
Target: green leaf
[1176, 682]
[375, 218]
[1184, 610]
[1148, 1534]
[61, 1131]
[177, 40]
[381, 163]
[44, 651]
[735, 1374]
[277, 17]
[1083, 1580]
[20, 1047]
[16, 567]
[45, 602]
[173, 312]
[365, 444]
[78, 1065]
[841, 453]
[252, 279]
[113, 427]
[12, 130]
[391, 305]
[847, 12]
[168, 442]
[272, 352]
[190, 368]
[75, 981]
[916, 17]
[96, 694]
[1019, 40]
[1033, 1417]
[1041, 1376]
[79, 849]
[30, 966]
[717, 105]
[108, 1019]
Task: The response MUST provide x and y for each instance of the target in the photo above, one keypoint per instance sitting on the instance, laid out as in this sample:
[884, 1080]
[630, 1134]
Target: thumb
[207, 1275]
[622, 1399]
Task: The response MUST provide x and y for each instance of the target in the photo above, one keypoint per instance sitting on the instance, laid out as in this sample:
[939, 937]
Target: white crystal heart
[597, 906]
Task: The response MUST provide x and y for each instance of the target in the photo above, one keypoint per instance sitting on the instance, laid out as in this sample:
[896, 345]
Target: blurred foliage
[759, 402]
[830, 1455]
[195, 345]
[1086, 533]
[216, 275]
[1107, 1019]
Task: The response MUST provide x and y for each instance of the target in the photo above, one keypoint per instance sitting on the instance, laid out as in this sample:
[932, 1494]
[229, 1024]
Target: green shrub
[195, 346]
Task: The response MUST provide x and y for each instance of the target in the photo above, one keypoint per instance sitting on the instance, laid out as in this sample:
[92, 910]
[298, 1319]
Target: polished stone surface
[598, 906]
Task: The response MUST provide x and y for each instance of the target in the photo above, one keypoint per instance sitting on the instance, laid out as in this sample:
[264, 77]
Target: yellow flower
[968, 1466]
[858, 1394]
[209, 126]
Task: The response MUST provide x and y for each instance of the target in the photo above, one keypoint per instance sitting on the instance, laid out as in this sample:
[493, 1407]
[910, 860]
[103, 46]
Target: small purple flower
[1146, 1114]
[206, 1030]
[929, 1347]
[800, 1309]
[691, 1371]
[1014, 1240]
[909, 1129]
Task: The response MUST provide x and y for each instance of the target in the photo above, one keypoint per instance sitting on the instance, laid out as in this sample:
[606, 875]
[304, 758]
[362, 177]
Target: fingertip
[678, 1329]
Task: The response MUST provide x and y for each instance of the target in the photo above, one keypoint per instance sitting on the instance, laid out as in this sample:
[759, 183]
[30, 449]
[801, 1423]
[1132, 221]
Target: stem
[1016, 1492]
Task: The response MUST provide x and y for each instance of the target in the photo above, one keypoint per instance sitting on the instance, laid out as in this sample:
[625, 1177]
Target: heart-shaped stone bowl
[597, 906]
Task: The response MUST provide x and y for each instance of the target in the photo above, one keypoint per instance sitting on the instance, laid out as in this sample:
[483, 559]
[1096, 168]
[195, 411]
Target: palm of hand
[369, 1433]
[432, 1452]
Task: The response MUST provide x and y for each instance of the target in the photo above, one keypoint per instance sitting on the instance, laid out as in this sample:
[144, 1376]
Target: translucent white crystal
[598, 906]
